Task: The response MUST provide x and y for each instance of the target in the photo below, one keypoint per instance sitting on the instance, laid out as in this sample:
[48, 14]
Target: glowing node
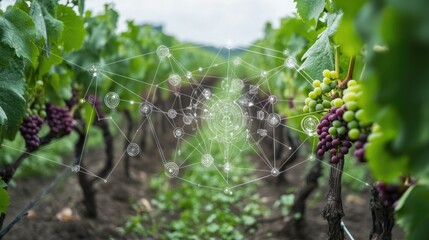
[133, 149]
[188, 75]
[132, 102]
[273, 119]
[275, 172]
[200, 69]
[94, 70]
[253, 89]
[227, 167]
[207, 160]
[226, 122]
[145, 109]
[187, 118]
[290, 62]
[174, 79]
[262, 132]
[309, 124]
[111, 100]
[163, 52]
[75, 168]
[311, 157]
[264, 74]
[172, 113]
[229, 44]
[237, 85]
[178, 132]
[260, 115]
[105, 181]
[171, 169]
[207, 93]
[272, 99]
[244, 101]
[227, 191]
[236, 61]
[286, 52]
[82, 100]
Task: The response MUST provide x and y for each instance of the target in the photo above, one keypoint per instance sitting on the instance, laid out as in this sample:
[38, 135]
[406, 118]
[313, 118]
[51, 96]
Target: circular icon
[226, 121]
[174, 79]
[178, 132]
[187, 118]
[275, 172]
[133, 149]
[172, 113]
[207, 160]
[171, 169]
[274, 119]
[145, 109]
[163, 51]
[309, 124]
[272, 99]
[111, 100]
[290, 62]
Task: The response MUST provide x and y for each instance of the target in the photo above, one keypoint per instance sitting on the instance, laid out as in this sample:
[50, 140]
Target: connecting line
[120, 129]
[157, 141]
[343, 226]
[293, 153]
[86, 136]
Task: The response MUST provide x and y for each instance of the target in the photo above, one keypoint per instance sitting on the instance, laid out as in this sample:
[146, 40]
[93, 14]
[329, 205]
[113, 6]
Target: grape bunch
[59, 119]
[332, 131]
[29, 129]
[391, 193]
[344, 123]
[320, 98]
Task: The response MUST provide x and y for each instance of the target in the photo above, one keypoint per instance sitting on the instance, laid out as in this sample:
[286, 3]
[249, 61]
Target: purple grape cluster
[73, 100]
[59, 119]
[29, 129]
[332, 131]
[389, 193]
[359, 152]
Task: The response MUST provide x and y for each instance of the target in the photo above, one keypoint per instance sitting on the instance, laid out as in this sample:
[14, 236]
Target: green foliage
[4, 197]
[310, 9]
[74, 33]
[413, 211]
[320, 55]
[12, 85]
[18, 31]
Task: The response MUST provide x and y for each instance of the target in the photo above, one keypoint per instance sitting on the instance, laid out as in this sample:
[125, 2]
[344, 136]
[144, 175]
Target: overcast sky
[203, 21]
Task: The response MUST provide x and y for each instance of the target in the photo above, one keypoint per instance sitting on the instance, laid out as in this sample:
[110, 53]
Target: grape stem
[343, 84]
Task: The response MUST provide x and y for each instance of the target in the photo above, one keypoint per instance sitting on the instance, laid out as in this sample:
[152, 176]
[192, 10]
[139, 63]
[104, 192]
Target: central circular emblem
[226, 121]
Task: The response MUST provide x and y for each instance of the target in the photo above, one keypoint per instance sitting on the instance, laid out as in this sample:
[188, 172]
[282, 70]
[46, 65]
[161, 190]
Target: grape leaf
[74, 31]
[12, 86]
[413, 212]
[4, 200]
[17, 30]
[309, 9]
[54, 27]
[39, 21]
[320, 55]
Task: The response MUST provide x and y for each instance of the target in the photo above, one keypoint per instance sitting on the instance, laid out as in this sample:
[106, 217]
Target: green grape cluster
[36, 109]
[319, 99]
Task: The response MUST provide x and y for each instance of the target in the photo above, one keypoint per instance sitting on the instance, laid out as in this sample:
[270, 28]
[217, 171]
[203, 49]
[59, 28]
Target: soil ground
[115, 198]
